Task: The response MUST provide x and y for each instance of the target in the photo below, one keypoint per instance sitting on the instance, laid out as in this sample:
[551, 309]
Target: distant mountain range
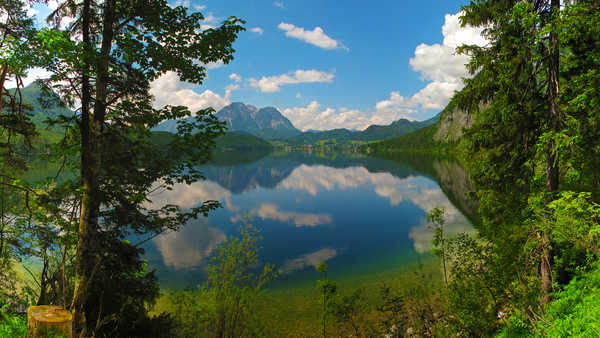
[268, 123]
[372, 133]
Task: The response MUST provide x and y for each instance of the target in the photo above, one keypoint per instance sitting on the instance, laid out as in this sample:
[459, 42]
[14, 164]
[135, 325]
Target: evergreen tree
[530, 125]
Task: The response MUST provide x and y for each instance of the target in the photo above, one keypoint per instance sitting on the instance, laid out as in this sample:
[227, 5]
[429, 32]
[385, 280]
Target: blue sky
[332, 64]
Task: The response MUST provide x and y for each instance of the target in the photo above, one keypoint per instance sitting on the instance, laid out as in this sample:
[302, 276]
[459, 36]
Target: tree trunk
[3, 75]
[88, 221]
[91, 162]
[552, 169]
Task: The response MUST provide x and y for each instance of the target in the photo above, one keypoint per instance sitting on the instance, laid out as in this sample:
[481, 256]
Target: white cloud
[213, 65]
[315, 37]
[230, 89]
[30, 11]
[235, 77]
[169, 90]
[279, 4]
[298, 95]
[313, 116]
[440, 65]
[257, 30]
[199, 7]
[310, 259]
[53, 5]
[32, 75]
[210, 21]
[184, 3]
[271, 84]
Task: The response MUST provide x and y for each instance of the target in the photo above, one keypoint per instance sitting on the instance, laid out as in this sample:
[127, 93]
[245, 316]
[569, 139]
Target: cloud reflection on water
[310, 259]
[190, 246]
[188, 196]
[272, 212]
[414, 189]
[194, 243]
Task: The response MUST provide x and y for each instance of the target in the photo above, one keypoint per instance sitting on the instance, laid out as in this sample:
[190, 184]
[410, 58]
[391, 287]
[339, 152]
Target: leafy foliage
[226, 305]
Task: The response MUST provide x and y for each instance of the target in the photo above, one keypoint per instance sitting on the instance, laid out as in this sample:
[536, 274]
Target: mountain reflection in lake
[356, 213]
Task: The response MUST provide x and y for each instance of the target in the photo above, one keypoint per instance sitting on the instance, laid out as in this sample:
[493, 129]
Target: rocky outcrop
[452, 124]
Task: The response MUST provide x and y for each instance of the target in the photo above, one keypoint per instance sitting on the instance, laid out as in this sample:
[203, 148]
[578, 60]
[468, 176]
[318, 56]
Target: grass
[13, 325]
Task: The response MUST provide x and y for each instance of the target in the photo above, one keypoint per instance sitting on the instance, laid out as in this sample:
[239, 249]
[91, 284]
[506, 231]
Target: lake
[359, 214]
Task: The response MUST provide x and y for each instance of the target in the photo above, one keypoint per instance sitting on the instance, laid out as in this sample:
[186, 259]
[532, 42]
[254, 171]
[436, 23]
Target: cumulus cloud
[213, 65]
[315, 37]
[169, 90]
[53, 5]
[257, 30]
[279, 4]
[210, 21]
[313, 116]
[230, 89]
[440, 66]
[310, 259]
[235, 77]
[184, 3]
[271, 84]
[199, 7]
[32, 75]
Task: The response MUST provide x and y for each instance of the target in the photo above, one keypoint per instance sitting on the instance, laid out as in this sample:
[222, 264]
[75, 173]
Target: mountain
[443, 135]
[267, 123]
[396, 128]
[41, 107]
[372, 133]
[40, 110]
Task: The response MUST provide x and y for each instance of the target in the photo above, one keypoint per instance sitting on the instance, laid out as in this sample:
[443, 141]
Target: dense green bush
[574, 312]
[12, 326]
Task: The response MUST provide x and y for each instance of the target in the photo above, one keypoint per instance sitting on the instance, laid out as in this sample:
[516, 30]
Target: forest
[76, 183]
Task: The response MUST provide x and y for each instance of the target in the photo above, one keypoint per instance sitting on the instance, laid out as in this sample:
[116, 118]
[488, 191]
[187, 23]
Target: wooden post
[48, 318]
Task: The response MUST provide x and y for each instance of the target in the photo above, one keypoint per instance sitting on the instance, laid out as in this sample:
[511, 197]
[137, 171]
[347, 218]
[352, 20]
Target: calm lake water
[359, 214]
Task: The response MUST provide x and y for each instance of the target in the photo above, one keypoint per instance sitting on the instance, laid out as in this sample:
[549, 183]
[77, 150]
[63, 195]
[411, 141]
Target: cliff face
[452, 124]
